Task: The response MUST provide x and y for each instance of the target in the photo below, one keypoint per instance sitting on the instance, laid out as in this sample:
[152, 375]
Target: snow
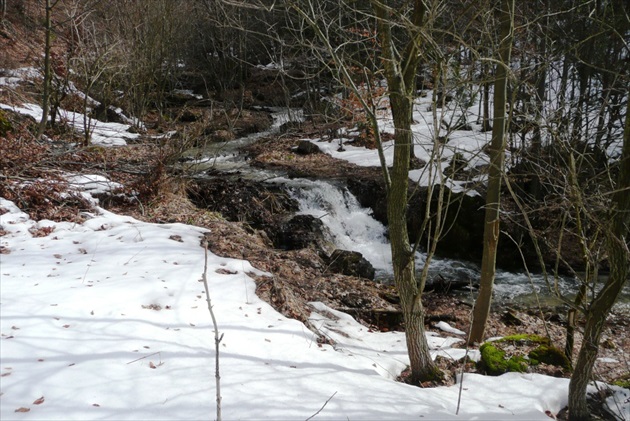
[13, 77]
[448, 328]
[92, 183]
[103, 134]
[465, 142]
[107, 320]
[90, 309]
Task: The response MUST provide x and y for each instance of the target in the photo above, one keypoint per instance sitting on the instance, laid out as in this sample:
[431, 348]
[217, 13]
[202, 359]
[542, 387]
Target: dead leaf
[22, 409]
[5, 374]
[39, 401]
[151, 364]
[66, 326]
[95, 404]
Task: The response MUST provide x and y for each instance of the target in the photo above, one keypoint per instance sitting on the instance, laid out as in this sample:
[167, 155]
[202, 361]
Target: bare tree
[93, 55]
[400, 72]
[358, 54]
[49, 6]
[616, 234]
[3, 10]
[496, 172]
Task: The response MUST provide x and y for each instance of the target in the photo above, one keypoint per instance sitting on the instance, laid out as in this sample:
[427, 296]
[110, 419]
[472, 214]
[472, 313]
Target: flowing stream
[353, 228]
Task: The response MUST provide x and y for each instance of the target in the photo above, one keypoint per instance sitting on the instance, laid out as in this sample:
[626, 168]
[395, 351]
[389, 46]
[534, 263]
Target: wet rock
[108, 114]
[442, 285]
[351, 263]
[300, 232]
[305, 147]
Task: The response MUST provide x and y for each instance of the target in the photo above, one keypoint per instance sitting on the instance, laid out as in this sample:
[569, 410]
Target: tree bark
[3, 10]
[47, 70]
[619, 260]
[495, 175]
[400, 75]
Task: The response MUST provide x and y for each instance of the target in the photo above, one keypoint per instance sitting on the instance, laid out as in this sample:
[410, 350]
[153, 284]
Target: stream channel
[353, 227]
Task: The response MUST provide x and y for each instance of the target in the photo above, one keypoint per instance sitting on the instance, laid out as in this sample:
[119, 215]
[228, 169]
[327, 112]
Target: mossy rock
[549, 355]
[526, 338]
[494, 361]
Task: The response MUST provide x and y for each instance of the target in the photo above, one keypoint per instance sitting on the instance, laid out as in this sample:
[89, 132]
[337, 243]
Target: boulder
[351, 263]
[307, 148]
[517, 353]
[299, 232]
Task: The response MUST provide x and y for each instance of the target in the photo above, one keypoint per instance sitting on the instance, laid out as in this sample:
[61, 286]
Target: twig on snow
[217, 337]
[323, 406]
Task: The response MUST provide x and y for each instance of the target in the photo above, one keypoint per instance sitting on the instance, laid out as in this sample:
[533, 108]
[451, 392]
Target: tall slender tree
[617, 239]
[398, 61]
[400, 72]
[49, 6]
[495, 175]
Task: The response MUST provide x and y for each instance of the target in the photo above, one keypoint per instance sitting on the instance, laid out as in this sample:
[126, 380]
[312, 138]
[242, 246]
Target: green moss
[494, 361]
[526, 338]
[5, 124]
[549, 355]
[622, 383]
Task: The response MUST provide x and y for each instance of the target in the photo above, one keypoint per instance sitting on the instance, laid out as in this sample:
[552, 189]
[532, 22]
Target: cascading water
[354, 228]
[225, 157]
[351, 225]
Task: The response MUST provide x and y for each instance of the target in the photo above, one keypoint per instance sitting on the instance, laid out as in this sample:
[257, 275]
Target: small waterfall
[352, 226]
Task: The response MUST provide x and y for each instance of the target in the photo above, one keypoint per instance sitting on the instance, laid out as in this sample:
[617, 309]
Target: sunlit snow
[108, 320]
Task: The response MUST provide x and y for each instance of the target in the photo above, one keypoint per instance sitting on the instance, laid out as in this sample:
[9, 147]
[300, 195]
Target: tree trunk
[422, 367]
[493, 195]
[3, 10]
[619, 260]
[47, 71]
[486, 99]
[401, 76]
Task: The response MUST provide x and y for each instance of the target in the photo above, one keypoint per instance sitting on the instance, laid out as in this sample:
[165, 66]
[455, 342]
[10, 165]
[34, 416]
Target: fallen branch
[142, 358]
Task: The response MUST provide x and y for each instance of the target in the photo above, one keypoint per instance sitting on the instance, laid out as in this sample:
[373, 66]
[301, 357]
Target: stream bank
[299, 275]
